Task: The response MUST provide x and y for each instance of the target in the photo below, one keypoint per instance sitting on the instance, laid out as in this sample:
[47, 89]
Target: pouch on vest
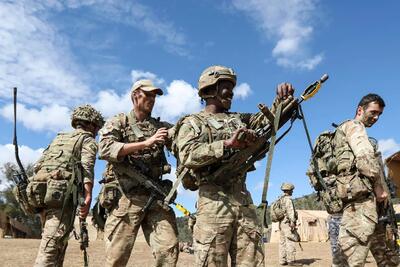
[110, 195]
[353, 187]
[332, 202]
[36, 192]
[55, 195]
[22, 198]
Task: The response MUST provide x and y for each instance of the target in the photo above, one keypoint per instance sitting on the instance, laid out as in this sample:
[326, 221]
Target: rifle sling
[175, 186]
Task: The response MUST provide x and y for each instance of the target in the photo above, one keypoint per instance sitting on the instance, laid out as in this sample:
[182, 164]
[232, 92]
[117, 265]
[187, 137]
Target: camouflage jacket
[88, 153]
[354, 152]
[123, 129]
[290, 211]
[199, 147]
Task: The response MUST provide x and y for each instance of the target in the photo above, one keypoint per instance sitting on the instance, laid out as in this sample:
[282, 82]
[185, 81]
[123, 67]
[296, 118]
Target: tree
[9, 204]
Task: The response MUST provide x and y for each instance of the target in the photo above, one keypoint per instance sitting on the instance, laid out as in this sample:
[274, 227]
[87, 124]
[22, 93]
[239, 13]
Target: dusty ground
[22, 252]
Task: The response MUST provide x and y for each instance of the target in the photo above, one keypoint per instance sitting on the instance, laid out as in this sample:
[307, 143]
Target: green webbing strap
[264, 203]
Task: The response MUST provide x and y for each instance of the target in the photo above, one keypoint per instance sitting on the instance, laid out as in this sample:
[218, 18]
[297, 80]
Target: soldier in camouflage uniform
[226, 217]
[359, 180]
[384, 254]
[135, 141]
[287, 247]
[55, 167]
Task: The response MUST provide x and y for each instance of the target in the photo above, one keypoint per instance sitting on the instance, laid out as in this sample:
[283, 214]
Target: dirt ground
[22, 252]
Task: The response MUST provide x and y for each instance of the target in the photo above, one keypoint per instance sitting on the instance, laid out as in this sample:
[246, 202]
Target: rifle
[243, 160]
[156, 190]
[19, 177]
[84, 240]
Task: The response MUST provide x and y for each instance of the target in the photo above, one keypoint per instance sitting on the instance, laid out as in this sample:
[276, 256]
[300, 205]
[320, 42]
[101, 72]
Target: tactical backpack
[323, 166]
[56, 171]
[277, 211]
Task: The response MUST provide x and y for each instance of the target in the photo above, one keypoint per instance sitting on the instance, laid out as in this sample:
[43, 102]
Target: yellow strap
[182, 209]
[312, 93]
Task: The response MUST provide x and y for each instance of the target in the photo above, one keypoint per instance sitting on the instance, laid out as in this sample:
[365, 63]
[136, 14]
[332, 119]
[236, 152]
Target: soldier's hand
[158, 138]
[284, 90]
[241, 138]
[84, 211]
[381, 195]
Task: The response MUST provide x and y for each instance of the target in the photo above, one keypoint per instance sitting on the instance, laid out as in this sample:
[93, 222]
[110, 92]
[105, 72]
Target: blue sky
[64, 53]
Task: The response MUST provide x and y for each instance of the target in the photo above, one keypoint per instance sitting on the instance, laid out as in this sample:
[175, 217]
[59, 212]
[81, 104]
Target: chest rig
[149, 161]
[211, 128]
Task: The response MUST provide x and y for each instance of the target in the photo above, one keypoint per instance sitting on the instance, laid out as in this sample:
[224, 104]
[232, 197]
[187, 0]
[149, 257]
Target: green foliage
[10, 206]
[308, 202]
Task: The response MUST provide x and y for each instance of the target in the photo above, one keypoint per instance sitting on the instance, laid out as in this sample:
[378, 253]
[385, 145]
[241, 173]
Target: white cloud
[109, 103]
[7, 154]
[180, 99]
[289, 24]
[36, 58]
[140, 74]
[48, 118]
[388, 147]
[242, 91]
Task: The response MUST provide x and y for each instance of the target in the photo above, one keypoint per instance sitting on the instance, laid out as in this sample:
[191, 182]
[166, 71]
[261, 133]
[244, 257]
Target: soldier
[56, 167]
[287, 247]
[134, 143]
[358, 181]
[226, 217]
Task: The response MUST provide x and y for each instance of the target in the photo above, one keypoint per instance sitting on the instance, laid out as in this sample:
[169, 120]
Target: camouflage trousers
[357, 226]
[221, 229]
[287, 248]
[338, 258]
[384, 254]
[158, 225]
[52, 248]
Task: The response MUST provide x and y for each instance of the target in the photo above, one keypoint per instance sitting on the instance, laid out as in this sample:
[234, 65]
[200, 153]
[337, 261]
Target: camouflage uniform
[356, 162]
[383, 255]
[56, 223]
[122, 225]
[287, 247]
[338, 259]
[226, 217]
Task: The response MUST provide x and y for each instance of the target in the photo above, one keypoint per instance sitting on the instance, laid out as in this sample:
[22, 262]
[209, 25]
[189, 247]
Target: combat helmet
[287, 187]
[211, 75]
[87, 113]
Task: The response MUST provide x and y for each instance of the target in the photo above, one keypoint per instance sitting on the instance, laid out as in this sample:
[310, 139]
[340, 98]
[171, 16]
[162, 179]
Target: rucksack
[56, 171]
[323, 159]
[277, 211]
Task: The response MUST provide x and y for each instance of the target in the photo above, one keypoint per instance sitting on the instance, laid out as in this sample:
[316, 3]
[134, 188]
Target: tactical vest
[48, 187]
[351, 185]
[208, 128]
[150, 161]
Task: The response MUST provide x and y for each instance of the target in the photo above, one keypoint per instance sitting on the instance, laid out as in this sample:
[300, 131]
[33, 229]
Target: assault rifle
[386, 213]
[157, 191]
[243, 160]
[19, 177]
[84, 240]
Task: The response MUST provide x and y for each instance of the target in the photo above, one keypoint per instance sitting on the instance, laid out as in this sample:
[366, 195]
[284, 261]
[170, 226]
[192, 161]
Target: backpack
[324, 161]
[277, 211]
[56, 171]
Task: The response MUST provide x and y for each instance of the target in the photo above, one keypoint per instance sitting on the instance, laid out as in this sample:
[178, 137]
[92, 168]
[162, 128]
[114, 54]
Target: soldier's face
[225, 93]
[369, 115]
[144, 101]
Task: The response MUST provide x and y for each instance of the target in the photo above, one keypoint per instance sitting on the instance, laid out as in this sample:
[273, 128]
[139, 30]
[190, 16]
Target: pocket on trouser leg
[111, 225]
[202, 241]
[251, 244]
